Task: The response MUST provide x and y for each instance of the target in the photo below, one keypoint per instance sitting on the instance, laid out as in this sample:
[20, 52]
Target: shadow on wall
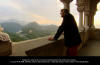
[53, 49]
[5, 48]
[95, 35]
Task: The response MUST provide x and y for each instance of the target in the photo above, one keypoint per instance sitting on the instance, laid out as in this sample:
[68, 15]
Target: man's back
[71, 33]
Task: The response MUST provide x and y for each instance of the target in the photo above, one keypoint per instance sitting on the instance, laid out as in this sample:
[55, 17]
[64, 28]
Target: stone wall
[94, 34]
[40, 46]
[43, 47]
[53, 49]
[5, 48]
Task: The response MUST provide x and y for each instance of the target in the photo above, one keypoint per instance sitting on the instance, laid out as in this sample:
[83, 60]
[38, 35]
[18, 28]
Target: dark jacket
[70, 29]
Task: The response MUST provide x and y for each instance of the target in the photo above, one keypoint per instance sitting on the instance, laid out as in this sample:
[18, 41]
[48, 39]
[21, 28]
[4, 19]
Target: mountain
[35, 30]
[49, 27]
[21, 22]
[12, 27]
[32, 30]
[35, 27]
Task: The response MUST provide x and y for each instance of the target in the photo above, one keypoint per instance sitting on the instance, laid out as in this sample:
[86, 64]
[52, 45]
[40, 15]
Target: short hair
[65, 10]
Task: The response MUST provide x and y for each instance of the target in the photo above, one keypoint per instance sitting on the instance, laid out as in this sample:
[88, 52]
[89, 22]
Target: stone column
[80, 10]
[86, 20]
[92, 13]
[92, 26]
[86, 14]
[66, 4]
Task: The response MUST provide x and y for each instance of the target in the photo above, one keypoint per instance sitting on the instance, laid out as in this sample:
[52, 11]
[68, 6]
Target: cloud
[43, 20]
[46, 8]
[8, 12]
[42, 11]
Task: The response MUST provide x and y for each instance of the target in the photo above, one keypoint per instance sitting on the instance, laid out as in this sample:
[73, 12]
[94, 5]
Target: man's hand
[51, 39]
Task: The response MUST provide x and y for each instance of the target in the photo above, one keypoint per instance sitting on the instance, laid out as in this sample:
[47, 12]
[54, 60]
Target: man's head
[64, 12]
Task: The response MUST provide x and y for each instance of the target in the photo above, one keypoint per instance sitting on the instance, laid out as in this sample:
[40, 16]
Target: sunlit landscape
[25, 19]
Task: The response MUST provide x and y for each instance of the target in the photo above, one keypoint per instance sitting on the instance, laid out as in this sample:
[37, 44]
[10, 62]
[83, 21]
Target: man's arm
[59, 32]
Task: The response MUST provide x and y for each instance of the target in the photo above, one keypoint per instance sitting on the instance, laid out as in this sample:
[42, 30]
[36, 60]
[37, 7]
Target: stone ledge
[20, 48]
[5, 48]
[42, 47]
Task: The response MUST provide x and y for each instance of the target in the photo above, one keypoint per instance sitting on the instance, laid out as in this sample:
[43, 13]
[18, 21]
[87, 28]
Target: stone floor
[91, 49]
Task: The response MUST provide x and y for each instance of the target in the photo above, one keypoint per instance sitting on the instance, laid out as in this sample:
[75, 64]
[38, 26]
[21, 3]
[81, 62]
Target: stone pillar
[92, 33]
[86, 20]
[80, 10]
[86, 14]
[92, 26]
[66, 4]
[92, 13]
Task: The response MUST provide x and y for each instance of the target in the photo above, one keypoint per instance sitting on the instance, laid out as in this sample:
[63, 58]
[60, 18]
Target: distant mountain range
[11, 26]
[35, 27]
[21, 22]
[14, 26]
[20, 32]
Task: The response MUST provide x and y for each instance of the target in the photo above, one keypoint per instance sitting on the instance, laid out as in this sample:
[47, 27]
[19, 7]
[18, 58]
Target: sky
[97, 17]
[40, 11]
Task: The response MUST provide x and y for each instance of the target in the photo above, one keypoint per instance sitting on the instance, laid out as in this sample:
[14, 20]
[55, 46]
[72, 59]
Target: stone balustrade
[5, 48]
[38, 47]
[41, 46]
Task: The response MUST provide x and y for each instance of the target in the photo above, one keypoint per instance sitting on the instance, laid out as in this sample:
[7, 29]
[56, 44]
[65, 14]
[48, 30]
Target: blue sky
[41, 11]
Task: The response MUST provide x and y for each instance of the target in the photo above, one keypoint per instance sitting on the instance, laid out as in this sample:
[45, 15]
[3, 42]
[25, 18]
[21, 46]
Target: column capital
[80, 8]
[93, 12]
[80, 5]
[66, 3]
[87, 13]
[81, 2]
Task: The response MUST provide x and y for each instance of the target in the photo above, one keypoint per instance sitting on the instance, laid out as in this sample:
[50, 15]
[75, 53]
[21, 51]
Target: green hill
[12, 27]
[30, 31]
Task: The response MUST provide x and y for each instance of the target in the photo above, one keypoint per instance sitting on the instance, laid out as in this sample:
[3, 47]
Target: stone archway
[86, 8]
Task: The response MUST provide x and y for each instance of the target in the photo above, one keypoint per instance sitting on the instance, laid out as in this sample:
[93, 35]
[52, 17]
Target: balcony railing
[40, 46]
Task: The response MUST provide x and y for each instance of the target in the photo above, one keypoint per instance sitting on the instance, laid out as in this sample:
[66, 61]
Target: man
[71, 34]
